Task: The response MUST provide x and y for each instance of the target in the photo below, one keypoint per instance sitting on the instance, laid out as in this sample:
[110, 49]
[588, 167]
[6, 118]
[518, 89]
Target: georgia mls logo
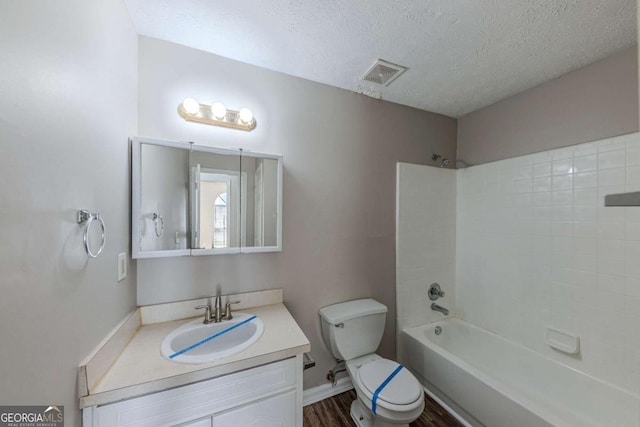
[53, 408]
[32, 416]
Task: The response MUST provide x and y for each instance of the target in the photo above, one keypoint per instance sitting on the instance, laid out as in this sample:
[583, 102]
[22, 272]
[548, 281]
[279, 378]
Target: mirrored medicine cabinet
[190, 200]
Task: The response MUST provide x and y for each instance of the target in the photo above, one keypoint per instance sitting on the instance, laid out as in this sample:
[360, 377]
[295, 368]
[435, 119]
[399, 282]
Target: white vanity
[193, 200]
[133, 385]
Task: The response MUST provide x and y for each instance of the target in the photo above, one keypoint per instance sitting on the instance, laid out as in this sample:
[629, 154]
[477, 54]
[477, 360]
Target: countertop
[140, 369]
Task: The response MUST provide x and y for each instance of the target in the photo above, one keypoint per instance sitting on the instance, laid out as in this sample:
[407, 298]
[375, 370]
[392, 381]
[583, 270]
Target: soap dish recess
[563, 341]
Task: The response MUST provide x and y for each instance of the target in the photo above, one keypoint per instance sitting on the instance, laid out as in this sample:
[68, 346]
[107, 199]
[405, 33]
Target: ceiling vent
[383, 72]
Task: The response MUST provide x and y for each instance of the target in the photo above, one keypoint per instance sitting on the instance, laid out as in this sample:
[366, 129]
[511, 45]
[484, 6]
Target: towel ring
[158, 220]
[90, 218]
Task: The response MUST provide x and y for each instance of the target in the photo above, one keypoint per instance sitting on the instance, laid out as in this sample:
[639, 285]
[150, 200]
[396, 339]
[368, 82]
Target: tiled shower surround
[536, 247]
[425, 242]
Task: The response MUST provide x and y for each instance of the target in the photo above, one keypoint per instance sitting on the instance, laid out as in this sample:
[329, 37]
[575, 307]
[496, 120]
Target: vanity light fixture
[217, 115]
[246, 116]
[218, 110]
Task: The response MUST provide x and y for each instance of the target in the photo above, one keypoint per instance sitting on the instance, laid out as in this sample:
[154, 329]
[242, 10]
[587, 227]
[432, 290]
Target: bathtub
[495, 382]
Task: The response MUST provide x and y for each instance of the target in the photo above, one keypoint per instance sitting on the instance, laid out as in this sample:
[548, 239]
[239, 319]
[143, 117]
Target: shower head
[444, 162]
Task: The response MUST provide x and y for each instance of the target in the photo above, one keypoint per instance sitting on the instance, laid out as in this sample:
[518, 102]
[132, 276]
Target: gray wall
[339, 150]
[68, 83]
[591, 103]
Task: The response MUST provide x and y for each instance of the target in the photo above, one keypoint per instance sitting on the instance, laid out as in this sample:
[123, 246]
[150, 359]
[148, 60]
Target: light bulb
[191, 106]
[246, 116]
[218, 110]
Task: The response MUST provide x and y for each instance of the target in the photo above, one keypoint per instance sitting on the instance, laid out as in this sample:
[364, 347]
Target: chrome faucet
[215, 314]
[435, 292]
[208, 318]
[212, 314]
[441, 309]
[227, 310]
[218, 309]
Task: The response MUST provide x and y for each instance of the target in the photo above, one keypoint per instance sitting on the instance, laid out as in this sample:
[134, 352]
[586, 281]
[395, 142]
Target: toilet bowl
[400, 402]
[387, 393]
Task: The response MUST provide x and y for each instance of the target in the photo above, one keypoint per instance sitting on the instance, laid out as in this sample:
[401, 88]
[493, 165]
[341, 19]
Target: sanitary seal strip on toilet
[403, 390]
[374, 401]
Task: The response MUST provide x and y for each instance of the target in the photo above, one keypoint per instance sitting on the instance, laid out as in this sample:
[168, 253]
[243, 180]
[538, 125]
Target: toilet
[388, 394]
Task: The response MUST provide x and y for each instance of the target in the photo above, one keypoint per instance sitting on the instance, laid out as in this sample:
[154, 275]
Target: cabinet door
[195, 401]
[276, 411]
[204, 422]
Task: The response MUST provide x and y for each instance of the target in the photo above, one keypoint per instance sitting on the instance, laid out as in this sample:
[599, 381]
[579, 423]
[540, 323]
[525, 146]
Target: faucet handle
[227, 310]
[435, 292]
[207, 313]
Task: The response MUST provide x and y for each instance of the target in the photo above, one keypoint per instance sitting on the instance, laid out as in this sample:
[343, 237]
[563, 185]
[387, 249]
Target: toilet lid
[403, 389]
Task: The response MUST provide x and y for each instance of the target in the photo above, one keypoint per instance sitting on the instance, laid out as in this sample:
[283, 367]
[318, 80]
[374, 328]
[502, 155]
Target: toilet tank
[354, 328]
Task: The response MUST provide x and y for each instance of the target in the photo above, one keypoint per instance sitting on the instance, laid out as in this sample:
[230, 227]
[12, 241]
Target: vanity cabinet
[268, 395]
[276, 411]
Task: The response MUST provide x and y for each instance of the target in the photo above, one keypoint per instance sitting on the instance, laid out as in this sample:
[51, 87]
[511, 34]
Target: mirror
[161, 223]
[189, 199]
[261, 202]
[216, 192]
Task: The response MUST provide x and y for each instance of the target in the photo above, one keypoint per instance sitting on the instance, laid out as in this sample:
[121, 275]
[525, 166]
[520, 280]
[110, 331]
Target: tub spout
[442, 310]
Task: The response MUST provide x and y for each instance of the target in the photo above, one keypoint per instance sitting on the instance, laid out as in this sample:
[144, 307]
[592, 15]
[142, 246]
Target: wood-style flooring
[334, 412]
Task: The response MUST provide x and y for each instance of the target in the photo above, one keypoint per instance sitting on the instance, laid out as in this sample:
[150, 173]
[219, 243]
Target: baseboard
[324, 391]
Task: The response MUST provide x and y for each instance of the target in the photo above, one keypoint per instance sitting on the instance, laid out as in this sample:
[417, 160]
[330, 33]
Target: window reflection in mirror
[220, 217]
[216, 200]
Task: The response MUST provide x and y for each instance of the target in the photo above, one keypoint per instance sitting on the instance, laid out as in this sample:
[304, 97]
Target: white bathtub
[499, 383]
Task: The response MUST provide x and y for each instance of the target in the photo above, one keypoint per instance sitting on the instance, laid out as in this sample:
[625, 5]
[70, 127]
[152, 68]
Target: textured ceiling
[462, 54]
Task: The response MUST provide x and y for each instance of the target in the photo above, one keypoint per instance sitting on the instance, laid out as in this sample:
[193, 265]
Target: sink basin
[195, 342]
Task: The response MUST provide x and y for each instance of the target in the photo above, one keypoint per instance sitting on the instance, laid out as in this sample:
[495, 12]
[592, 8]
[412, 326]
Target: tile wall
[425, 241]
[536, 248]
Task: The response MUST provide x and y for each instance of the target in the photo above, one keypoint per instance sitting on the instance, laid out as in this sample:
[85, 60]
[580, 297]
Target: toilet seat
[402, 393]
